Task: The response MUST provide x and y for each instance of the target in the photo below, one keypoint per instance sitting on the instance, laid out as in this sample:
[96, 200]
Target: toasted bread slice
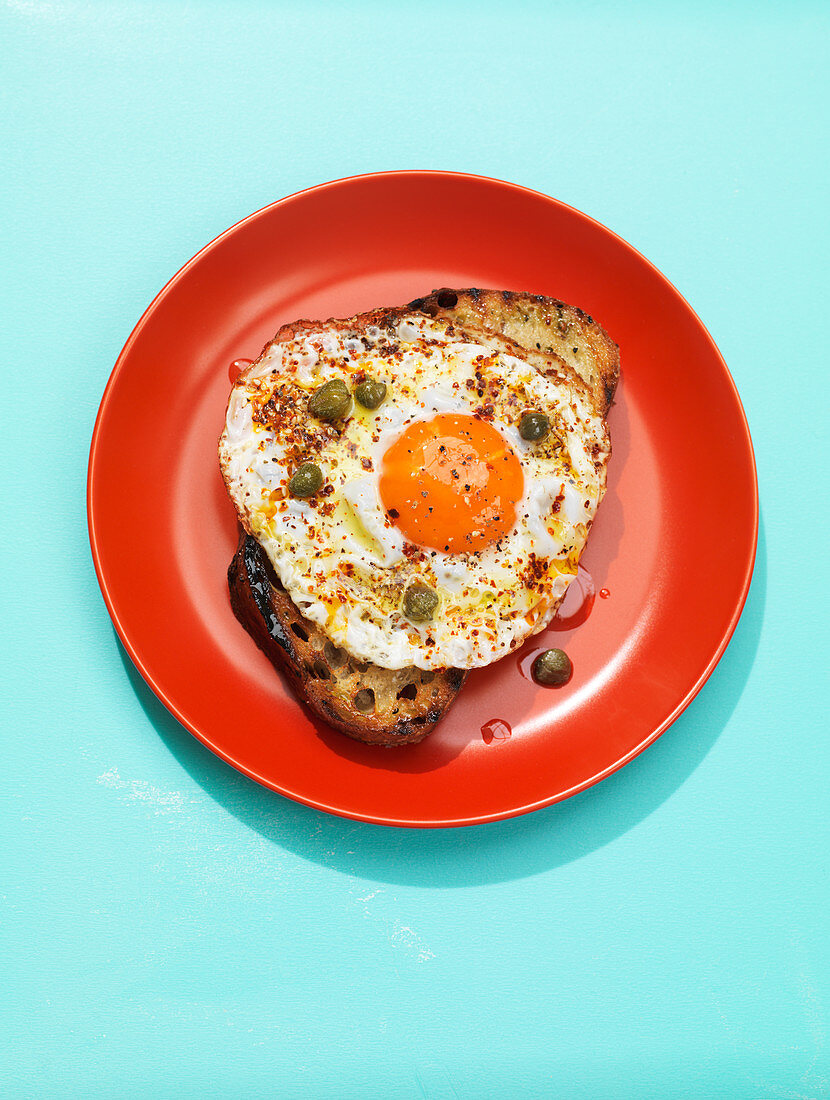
[377, 705]
[397, 707]
[534, 322]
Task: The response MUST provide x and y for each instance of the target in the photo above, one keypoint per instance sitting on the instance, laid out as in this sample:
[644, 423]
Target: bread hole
[333, 655]
[447, 299]
[408, 692]
[427, 677]
[300, 631]
[364, 701]
[321, 670]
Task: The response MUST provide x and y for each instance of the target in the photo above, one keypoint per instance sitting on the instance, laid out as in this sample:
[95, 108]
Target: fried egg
[435, 488]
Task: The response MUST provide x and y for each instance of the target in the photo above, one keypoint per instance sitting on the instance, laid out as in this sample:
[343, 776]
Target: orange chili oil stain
[578, 602]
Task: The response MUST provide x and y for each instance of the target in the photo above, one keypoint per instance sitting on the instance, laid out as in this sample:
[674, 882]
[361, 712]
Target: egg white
[340, 557]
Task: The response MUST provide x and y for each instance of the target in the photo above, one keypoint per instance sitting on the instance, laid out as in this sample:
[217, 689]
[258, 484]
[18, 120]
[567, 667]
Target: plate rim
[251, 773]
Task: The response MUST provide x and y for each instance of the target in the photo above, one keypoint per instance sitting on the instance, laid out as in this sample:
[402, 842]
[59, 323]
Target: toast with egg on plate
[328, 577]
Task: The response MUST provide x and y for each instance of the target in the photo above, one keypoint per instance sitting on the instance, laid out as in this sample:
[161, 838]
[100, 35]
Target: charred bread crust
[394, 707]
[536, 323]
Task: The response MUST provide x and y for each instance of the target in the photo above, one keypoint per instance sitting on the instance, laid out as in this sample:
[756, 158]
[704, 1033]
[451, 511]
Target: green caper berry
[420, 603]
[305, 480]
[330, 401]
[552, 668]
[370, 394]
[534, 426]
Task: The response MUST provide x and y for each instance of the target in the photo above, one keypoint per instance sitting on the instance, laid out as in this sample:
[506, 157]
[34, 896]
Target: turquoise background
[173, 930]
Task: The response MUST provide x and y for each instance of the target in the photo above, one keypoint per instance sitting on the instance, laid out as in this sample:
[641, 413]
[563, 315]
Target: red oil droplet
[578, 602]
[604, 593]
[526, 664]
[237, 367]
[495, 730]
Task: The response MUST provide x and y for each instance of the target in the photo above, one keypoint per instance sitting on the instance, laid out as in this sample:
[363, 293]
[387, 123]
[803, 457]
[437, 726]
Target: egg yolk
[451, 483]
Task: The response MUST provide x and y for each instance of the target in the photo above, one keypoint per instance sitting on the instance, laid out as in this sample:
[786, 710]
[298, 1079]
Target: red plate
[163, 531]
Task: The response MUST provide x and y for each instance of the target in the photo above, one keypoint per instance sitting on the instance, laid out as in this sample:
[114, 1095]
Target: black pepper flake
[393, 513]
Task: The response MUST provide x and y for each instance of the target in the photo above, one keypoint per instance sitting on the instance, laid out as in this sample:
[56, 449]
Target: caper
[552, 668]
[305, 480]
[330, 401]
[420, 603]
[370, 394]
[534, 426]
